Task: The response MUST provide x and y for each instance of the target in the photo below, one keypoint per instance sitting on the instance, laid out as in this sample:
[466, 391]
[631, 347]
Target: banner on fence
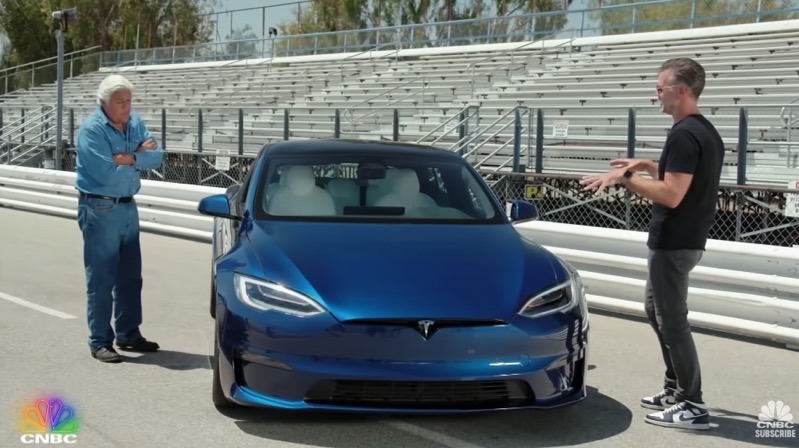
[792, 200]
[222, 162]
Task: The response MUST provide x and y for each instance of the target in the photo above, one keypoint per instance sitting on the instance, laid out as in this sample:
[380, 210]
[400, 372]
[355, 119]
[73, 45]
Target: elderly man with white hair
[113, 147]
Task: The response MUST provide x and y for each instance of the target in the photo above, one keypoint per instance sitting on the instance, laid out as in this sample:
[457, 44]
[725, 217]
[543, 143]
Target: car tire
[217, 396]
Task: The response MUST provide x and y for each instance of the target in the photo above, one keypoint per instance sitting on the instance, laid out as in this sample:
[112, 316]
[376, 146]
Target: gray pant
[666, 306]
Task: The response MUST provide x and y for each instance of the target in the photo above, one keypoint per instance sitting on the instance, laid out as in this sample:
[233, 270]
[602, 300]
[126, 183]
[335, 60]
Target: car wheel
[218, 397]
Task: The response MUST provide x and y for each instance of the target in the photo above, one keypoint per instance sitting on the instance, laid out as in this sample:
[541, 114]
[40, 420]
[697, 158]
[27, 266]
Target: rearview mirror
[216, 205]
[522, 211]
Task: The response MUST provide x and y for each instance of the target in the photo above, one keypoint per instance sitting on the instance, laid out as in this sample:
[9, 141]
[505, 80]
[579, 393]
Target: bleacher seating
[590, 82]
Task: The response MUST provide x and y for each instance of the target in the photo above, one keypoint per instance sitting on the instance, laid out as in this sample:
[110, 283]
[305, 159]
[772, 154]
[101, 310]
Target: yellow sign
[533, 191]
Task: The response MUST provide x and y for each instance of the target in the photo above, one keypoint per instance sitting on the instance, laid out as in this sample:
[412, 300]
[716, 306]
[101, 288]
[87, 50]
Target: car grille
[422, 394]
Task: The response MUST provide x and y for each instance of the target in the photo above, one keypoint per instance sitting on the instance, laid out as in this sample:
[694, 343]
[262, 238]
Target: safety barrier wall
[738, 288]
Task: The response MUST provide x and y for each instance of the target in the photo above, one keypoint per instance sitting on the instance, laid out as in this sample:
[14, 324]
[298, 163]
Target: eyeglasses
[659, 89]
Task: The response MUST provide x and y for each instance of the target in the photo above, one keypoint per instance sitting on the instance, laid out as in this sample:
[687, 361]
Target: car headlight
[269, 296]
[559, 298]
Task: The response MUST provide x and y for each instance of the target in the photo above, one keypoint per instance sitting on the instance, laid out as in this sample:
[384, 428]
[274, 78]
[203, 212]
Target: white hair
[110, 85]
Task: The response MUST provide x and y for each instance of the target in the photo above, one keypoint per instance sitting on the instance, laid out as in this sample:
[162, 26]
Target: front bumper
[380, 368]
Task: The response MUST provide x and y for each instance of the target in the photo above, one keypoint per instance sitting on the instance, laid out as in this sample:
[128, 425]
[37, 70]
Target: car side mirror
[522, 211]
[216, 205]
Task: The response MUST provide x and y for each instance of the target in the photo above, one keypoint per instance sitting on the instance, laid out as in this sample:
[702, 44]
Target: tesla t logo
[426, 327]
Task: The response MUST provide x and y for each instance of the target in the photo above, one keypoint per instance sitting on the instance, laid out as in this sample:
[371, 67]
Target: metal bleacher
[590, 82]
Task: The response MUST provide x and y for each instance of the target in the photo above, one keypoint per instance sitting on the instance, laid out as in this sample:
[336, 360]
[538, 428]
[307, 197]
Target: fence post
[241, 131]
[71, 127]
[517, 139]
[628, 196]
[163, 129]
[743, 144]
[396, 125]
[337, 124]
[200, 130]
[539, 142]
[631, 133]
[739, 202]
[461, 132]
[285, 124]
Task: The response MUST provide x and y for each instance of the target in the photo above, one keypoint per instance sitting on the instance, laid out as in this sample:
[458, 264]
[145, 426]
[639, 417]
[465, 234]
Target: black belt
[124, 200]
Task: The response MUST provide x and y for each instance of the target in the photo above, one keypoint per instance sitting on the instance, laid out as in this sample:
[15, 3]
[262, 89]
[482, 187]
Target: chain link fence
[191, 168]
[744, 213]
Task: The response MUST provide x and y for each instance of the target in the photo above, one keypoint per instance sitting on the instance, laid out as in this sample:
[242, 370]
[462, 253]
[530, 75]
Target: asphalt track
[163, 399]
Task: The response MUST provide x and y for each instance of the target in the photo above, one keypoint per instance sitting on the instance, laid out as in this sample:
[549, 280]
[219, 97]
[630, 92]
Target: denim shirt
[98, 140]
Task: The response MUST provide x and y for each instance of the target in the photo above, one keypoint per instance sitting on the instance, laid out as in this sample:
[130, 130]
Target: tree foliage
[677, 15]
[339, 15]
[110, 24]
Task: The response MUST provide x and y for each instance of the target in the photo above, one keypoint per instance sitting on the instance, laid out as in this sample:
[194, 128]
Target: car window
[393, 188]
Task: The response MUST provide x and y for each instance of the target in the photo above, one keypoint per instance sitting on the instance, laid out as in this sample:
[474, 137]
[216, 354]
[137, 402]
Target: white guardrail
[738, 288]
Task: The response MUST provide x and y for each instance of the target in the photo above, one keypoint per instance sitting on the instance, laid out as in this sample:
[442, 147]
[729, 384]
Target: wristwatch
[627, 175]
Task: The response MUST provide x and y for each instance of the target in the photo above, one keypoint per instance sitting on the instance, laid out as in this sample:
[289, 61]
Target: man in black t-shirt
[683, 187]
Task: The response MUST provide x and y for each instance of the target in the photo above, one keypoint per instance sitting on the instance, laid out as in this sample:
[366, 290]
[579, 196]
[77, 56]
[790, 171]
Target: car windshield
[384, 188]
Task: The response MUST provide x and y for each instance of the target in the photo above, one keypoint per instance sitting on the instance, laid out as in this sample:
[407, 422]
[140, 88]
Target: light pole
[64, 18]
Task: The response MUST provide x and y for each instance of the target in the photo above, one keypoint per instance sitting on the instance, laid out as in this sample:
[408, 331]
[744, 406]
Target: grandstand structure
[568, 105]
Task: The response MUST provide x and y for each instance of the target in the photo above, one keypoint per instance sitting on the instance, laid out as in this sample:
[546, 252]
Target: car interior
[373, 189]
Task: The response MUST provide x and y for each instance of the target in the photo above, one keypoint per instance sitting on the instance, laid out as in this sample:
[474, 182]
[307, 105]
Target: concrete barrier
[738, 288]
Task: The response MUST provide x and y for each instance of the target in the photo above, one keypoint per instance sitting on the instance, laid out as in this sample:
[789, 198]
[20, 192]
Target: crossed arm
[104, 165]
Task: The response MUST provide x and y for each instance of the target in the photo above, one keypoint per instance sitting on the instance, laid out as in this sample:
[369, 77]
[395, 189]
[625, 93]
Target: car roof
[352, 146]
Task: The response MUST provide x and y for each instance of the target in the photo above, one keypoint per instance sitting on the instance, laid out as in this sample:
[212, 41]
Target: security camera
[68, 16]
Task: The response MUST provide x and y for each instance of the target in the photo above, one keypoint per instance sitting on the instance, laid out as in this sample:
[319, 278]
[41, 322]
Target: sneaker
[685, 415]
[106, 354]
[138, 345]
[661, 401]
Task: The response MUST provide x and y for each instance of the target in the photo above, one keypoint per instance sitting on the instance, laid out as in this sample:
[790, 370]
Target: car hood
[404, 270]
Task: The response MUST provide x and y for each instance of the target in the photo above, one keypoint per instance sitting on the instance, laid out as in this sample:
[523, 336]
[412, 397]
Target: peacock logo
[775, 420]
[49, 421]
[775, 411]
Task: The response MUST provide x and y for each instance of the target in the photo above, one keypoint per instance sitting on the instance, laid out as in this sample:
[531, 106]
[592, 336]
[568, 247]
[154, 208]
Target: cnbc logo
[48, 421]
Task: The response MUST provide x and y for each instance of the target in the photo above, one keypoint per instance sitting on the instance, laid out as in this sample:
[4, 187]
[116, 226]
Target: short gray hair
[110, 85]
[687, 71]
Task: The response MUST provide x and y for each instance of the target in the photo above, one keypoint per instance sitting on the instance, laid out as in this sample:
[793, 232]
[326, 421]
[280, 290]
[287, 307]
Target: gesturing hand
[633, 165]
[599, 182]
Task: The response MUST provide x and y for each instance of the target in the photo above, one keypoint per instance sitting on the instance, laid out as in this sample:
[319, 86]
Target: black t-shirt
[693, 146]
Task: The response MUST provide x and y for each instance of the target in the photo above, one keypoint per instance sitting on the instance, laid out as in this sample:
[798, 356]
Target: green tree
[340, 15]
[242, 43]
[549, 19]
[677, 15]
[109, 24]
[463, 33]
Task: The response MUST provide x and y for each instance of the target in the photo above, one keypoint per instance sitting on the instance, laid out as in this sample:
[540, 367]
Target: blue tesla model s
[386, 277]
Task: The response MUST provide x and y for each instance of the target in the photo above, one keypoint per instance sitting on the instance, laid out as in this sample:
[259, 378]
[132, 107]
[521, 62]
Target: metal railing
[25, 75]
[350, 111]
[587, 21]
[744, 213]
[24, 141]
[751, 214]
[624, 18]
[473, 66]
[549, 140]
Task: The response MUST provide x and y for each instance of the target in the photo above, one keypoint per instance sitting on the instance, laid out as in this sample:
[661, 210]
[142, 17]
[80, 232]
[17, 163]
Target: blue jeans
[112, 261]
